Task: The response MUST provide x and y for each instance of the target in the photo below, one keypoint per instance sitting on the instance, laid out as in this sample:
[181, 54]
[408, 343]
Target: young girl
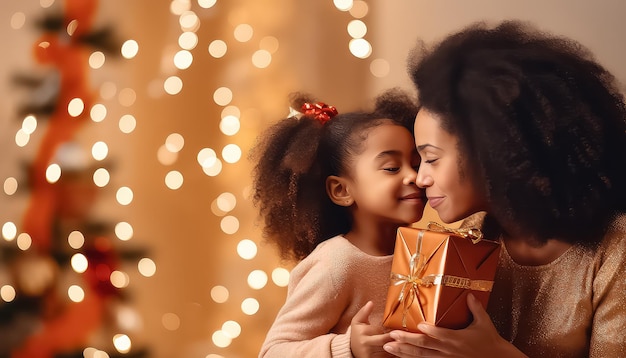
[332, 190]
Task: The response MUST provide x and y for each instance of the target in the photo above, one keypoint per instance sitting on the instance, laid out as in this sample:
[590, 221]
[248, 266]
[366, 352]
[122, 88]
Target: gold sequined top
[574, 306]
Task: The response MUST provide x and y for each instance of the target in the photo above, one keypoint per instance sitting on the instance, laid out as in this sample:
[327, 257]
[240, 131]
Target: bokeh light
[213, 170]
[76, 293]
[122, 343]
[76, 240]
[188, 40]
[206, 3]
[229, 224]
[207, 157]
[280, 277]
[101, 177]
[226, 202]
[21, 138]
[220, 339]
[343, 5]
[230, 125]
[360, 48]
[127, 97]
[29, 124]
[222, 96]
[250, 306]
[380, 67]
[189, 21]
[127, 123]
[7, 293]
[147, 267]
[231, 329]
[99, 150]
[76, 107]
[96, 60]
[98, 112]
[261, 58]
[247, 249]
[24, 241]
[269, 44]
[359, 9]
[124, 195]
[219, 294]
[124, 231]
[231, 153]
[17, 20]
[357, 29]
[174, 180]
[174, 142]
[173, 85]
[183, 59]
[243, 32]
[257, 279]
[79, 263]
[10, 186]
[170, 321]
[130, 48]
[218, 48]
[119, 279]
[9, 231]
[165, 156]
[53, 173]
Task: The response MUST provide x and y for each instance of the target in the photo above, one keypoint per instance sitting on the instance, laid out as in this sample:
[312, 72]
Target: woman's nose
[423, 180]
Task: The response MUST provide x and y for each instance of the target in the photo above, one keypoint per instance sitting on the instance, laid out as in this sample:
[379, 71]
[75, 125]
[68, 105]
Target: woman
[530, 129]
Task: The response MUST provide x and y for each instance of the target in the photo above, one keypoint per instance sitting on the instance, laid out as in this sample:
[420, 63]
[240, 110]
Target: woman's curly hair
[295, 156]
[539, 121]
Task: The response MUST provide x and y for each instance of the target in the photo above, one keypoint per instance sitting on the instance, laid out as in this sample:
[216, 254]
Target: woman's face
[448, 183]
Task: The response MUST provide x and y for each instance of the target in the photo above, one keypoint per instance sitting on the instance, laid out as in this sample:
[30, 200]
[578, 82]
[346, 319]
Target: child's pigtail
[289, 187]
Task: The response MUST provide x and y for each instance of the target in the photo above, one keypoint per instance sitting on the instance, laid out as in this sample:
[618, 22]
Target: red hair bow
[320, 111]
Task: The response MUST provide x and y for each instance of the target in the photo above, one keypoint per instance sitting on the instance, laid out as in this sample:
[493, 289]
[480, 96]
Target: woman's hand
[479, 339]
[366, 341]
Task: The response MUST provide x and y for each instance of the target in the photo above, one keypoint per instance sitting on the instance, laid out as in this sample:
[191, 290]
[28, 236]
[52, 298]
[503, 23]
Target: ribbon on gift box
[469, 233]
[417, 265]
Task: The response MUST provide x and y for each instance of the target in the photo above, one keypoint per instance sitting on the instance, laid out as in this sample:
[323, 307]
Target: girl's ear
[337, 190]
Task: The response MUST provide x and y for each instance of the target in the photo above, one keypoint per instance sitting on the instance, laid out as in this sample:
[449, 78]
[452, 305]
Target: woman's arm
[609, 297]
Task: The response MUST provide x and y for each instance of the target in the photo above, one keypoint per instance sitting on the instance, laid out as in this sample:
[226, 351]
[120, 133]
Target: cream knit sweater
[325, 291]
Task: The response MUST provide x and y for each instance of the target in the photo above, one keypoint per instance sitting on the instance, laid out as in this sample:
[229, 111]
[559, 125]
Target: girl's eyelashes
[392, 169]
[430, 161]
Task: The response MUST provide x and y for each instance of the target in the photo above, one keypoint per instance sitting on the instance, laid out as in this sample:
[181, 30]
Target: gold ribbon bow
[410, 282]
[469, 233]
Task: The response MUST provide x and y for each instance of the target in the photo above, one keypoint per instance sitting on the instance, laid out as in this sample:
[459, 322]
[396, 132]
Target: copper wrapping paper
[432, 273]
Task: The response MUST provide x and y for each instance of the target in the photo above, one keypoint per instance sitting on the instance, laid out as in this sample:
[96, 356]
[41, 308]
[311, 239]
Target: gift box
[433, 271]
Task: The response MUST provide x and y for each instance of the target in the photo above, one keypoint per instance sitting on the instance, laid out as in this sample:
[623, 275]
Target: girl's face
[382, 179]
[449, 186]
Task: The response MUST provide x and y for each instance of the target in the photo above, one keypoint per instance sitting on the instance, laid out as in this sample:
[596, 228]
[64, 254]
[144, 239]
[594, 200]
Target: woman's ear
[337, 190]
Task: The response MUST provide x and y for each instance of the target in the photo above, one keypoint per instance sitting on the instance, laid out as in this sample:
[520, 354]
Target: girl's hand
[366, 341]
[479, 339]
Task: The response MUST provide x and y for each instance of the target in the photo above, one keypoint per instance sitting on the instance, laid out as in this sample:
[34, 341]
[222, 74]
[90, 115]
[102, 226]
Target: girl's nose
[411, 177]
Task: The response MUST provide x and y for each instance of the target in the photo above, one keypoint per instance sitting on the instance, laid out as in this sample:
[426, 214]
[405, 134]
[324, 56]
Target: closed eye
[393, 170]
[430, 161]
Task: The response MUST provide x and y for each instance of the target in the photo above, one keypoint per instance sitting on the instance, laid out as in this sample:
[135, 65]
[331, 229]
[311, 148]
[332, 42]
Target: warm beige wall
[599, 25]
[182, 234]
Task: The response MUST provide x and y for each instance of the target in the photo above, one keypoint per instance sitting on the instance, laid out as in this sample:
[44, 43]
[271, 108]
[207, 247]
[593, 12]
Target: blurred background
[125, 130]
